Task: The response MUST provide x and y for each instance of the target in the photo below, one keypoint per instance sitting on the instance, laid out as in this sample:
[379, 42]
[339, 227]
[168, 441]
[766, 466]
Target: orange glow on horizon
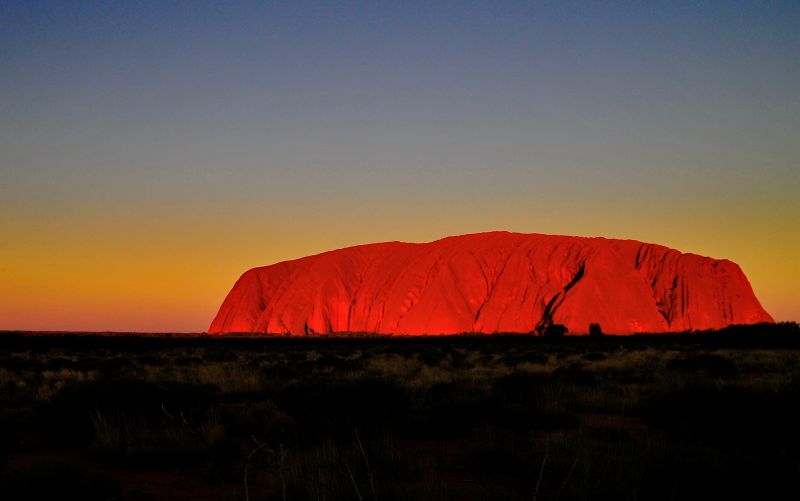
[171, 275]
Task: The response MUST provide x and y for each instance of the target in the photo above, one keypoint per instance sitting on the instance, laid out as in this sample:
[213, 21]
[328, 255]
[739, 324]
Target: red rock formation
[492, 282]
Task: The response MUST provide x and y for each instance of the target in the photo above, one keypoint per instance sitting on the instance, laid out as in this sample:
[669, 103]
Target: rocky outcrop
[492, 282]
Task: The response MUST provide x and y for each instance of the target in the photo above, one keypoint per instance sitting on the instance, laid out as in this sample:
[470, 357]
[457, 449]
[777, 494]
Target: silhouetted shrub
[595, 330]
[555, 330]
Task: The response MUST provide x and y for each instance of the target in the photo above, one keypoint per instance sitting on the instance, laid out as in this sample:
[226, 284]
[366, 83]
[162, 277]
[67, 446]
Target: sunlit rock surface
[491, 282]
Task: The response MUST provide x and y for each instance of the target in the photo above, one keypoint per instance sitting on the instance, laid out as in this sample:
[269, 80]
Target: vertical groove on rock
[490, 289]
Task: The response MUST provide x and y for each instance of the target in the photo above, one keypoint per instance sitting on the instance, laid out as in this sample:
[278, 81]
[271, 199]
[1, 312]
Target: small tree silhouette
[595, 330]
[555, 330]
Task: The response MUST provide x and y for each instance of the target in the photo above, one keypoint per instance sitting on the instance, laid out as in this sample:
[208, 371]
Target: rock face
[492, 282]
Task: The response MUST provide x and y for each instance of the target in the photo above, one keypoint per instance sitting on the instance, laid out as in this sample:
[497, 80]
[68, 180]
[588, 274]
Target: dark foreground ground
[708, 416]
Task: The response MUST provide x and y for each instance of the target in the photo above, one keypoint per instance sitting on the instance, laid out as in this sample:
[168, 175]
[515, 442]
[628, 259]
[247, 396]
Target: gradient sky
[150, 152]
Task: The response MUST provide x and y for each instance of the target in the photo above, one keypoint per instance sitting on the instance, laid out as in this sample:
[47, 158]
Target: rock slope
[491, 282]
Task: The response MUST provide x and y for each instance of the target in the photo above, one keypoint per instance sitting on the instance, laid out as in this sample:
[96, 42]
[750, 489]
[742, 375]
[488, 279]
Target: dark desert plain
[377, 251]
[708, 415]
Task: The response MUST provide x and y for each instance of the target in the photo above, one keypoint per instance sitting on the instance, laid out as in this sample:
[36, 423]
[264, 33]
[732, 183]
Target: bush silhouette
[595, 330]
[555, 330]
